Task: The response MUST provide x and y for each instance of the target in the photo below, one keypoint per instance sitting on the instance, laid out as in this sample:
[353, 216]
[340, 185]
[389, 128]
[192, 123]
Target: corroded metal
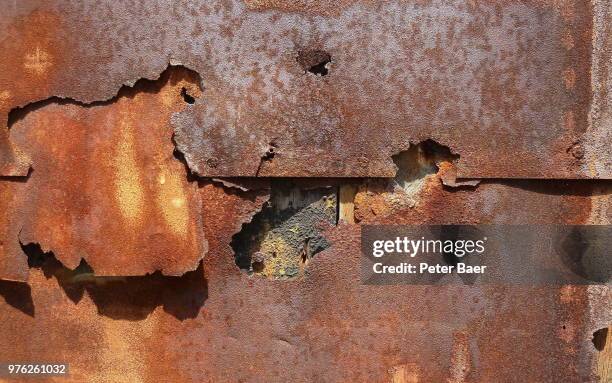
[105, 185]
[116, 259]
[13, 263]
[326, 326]
[515, 72]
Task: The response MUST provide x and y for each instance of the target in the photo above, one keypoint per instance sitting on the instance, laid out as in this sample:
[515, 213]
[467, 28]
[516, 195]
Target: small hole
[314, 61]
[319, 69]
[258, 267]
[599, 338]
[269, 155]
[187, 97]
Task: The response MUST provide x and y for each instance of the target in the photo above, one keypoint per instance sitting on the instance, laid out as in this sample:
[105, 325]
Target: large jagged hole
[416, 166]
[418, 162]
[131, 298]
[281, 239]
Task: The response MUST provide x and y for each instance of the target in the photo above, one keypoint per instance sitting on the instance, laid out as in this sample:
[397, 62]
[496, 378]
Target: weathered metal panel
[105, 186]
[89, 174]
[515, 72]
[327, 326]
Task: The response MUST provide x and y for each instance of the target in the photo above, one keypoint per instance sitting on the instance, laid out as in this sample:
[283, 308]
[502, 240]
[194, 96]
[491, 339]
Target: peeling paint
[111, 210]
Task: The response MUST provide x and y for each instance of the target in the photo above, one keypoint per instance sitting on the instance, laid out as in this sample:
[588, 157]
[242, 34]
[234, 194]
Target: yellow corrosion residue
[280, 257]
[128, 183]
[172, 200]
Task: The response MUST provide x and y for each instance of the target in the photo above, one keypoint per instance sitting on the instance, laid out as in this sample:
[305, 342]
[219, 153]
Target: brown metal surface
[325, 326]
[13, 263]
[515, 72]
[116, 259]
[105, 186]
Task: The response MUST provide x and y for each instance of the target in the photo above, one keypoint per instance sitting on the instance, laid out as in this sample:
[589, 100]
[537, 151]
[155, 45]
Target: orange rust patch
[36, 55]
[13, 265]
[26, 73]
[569, 77]
[95, 191]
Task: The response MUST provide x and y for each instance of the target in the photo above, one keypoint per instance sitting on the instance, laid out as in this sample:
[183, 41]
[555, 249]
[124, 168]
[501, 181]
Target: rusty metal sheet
[530, 76]
[572, 202]
[325, 326]
[116, 259]
[420, 193]
[105, 186]
[13, 263]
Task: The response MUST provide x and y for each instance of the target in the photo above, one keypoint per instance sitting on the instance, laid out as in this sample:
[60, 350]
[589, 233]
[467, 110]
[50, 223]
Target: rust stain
[461, 360]
[5, 96]
[567, 40]
[405, 373]
[173, 200]
[569, 76]
[129, 193]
